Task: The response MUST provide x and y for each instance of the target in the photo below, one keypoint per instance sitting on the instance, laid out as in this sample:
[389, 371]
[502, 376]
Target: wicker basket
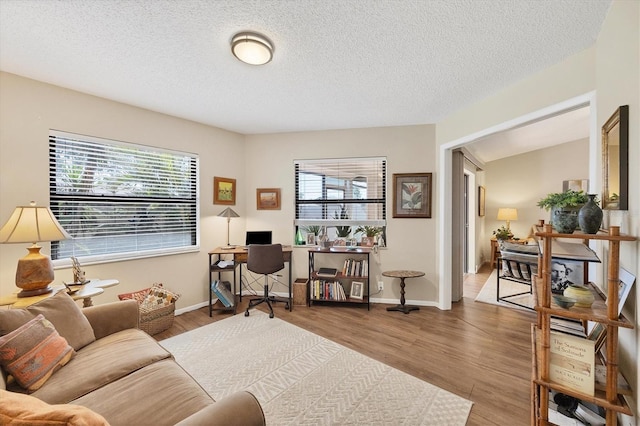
[157, 320]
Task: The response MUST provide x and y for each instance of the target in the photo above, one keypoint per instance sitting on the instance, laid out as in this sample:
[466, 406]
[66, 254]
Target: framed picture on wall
[268, 198]
[224, 191]
[481, 202]
[412, 195]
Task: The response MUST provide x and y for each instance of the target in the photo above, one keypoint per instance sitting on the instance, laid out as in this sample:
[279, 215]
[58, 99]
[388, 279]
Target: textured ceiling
[337, 65]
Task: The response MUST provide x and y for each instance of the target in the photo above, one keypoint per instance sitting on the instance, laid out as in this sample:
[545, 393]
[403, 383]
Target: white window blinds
[120, 200]
[346, 191]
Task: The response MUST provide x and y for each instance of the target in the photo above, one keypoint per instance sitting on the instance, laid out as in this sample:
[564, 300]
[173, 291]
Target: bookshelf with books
[564, 362]
[343, 279]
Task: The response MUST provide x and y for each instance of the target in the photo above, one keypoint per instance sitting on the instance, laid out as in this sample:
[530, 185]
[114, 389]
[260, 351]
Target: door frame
[445, 187]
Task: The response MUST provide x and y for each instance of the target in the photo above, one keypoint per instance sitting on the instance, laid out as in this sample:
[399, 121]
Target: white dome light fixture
[252, 48]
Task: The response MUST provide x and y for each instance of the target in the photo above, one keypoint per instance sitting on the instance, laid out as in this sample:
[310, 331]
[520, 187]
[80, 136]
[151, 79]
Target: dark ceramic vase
[564, 221]
[590, 216]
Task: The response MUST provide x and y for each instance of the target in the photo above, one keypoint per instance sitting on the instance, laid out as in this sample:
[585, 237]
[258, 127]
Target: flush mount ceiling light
[252, 48]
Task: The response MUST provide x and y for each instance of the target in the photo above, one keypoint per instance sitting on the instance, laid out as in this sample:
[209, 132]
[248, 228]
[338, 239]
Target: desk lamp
[508, 214]
[228, 213]
[30, 224]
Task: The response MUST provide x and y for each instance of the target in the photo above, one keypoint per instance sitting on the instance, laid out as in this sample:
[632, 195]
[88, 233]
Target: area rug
[488, 293]
[303, 379]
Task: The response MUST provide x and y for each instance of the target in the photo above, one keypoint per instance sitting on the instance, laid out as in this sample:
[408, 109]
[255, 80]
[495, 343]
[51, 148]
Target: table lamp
[228, 213]
[508, 214]
[31, 224]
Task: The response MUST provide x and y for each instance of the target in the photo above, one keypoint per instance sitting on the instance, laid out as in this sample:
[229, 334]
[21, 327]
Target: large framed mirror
[615, 160]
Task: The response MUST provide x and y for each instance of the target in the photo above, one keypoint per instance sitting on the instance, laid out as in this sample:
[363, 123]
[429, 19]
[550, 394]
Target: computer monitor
[258, 237]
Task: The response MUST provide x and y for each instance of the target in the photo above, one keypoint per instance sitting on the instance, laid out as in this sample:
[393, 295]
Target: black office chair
[265, 259]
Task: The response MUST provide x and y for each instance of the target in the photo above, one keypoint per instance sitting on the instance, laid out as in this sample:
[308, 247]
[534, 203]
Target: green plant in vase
[564, 208]
[370, 232]
[502, 233]
[342, 231]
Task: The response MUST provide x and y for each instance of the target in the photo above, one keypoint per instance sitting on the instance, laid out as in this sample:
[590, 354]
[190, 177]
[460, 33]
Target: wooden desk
[240, 255]
[93, 288]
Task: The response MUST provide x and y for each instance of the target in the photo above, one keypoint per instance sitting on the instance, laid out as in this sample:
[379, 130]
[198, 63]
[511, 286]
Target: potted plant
[342, 231]
[370, 234]
[502, 233]
[564, 208]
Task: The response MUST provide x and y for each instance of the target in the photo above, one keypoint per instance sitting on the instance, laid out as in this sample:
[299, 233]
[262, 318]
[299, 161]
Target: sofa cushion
[100, 363]
[33, 352]
[161, 393]
[22, 410]
[138, 296]
[63, 312]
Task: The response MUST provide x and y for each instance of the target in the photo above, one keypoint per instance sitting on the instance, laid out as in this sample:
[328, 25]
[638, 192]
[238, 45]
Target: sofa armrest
[112, 317]
[238, 409]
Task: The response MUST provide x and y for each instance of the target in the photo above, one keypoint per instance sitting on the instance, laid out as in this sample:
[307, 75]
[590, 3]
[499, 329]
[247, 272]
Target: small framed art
[357, 289]
[412, 195]
[224, 191]
[268, 198]
[481, 201]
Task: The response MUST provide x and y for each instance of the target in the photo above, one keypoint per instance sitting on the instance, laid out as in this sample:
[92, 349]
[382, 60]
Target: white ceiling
[338, 64]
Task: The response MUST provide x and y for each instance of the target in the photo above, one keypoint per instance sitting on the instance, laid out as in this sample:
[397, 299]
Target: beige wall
[540, 172]
[408, 149]
[28, 109]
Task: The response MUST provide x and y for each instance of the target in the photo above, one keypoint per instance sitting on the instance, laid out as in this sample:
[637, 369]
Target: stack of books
[222, 290]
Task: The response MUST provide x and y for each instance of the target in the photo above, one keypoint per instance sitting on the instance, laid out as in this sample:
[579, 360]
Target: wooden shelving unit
[345, 280]
[214, 267]
[604, 310]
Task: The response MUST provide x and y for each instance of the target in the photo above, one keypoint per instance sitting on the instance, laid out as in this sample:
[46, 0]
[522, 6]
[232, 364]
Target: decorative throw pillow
[138, 296]
[63, 312]
[158, 297]
[33, 352]
[21, 410]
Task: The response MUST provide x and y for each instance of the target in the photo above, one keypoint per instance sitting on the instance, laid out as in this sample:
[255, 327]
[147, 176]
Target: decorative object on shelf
[626, 282]
[615, 160]
[481, 201]
[228, 213]
[252, 48]
[312, 233]
[356, 290]
[32, 224]
[79, 276]
[565, 273]
[224, 191]
[507, 214]
[568, 203]
[268, 198]
[299, 240]
[590, 215]
[583, 296]
[311, 239]
[564, 301]
[502, 234]
[412, 195]
[370, 234]
[575, 184]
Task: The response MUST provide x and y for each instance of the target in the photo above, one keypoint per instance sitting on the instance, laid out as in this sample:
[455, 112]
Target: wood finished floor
[478, 351]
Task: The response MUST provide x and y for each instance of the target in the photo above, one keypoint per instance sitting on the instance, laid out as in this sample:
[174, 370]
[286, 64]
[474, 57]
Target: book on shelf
[572, 362]
[327, 272]
[328, 290]
[573, 327]
[571, 251]
[223, 293]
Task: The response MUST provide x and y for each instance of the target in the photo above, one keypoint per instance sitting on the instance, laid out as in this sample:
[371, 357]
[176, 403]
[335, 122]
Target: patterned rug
[301, 378]
[488, 293]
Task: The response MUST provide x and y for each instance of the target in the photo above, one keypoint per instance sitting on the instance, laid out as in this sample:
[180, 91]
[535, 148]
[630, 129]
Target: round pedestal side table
[403, 275]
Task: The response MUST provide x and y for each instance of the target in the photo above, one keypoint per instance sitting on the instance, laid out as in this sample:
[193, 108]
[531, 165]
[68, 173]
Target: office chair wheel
[246, 313]
[271, 315]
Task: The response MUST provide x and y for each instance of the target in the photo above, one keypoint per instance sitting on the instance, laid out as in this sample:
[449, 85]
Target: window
[341, 193]
[120, 200]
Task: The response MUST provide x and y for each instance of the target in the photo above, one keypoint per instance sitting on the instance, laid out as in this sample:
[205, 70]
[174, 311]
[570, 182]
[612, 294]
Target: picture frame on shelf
[311, 239]
[565, 272]
[412, 195]
[268, 198]
[357, 290]
[624, 287]
[224, 191]
[598, 334]
[481, 201]
[575, 185]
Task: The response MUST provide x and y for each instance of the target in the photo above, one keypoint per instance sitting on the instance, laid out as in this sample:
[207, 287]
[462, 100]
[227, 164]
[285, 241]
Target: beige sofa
[118, 372]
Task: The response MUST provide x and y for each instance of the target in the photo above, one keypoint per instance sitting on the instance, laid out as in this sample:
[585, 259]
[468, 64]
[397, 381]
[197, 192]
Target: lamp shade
[228, 212]
[252, 48]
[30, 224]
[507, 214]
